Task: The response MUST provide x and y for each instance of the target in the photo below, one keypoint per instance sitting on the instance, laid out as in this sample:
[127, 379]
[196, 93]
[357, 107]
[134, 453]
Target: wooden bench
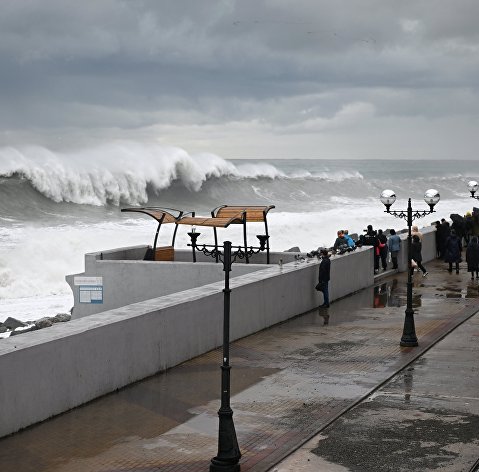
[162, 216]
[245, 214]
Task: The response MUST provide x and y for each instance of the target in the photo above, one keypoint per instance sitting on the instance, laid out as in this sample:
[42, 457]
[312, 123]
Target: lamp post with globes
[388, 197]
[229, 452]
[473, 186]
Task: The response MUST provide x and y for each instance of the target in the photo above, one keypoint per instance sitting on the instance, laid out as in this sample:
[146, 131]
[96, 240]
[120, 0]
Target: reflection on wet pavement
[391, 294]
[287, 382]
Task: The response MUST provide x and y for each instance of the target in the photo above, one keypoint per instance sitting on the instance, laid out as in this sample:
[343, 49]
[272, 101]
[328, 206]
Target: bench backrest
[253, 214]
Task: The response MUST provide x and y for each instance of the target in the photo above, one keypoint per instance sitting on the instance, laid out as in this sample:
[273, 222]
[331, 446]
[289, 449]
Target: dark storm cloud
[293, 67]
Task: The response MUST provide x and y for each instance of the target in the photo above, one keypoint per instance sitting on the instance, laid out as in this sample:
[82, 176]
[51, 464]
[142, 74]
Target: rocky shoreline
[12, 326]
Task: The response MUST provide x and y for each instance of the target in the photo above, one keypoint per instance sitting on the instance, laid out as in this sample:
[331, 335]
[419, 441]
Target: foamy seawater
[55, 207]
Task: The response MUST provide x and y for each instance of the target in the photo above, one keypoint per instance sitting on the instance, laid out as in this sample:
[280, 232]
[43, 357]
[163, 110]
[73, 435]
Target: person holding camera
[371, 239]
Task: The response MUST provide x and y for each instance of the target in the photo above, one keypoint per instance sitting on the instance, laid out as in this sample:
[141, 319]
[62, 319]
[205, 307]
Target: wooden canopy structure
[225, 215]
[162, 216]
[221, 217]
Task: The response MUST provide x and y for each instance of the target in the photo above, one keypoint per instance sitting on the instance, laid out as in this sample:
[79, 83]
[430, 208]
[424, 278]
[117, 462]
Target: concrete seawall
[50, 371]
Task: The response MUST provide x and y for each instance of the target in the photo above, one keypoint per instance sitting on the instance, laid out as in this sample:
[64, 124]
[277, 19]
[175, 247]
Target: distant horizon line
[472, 159]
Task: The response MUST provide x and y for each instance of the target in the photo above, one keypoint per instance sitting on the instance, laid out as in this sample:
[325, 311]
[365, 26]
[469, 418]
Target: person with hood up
[472, 257]
[452, 251]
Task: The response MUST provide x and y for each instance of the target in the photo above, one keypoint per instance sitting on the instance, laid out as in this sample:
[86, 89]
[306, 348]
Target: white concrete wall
[47, 372]
[128, 279]
[50, 371]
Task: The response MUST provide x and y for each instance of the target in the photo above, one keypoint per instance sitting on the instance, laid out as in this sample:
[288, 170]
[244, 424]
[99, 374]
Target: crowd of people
[451, 240]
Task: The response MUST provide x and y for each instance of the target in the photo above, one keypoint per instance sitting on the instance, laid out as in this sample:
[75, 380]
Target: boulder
[13, 323]
[293, 249]
[43, 323]
[3, 329]
[23, 329]
[61, 317]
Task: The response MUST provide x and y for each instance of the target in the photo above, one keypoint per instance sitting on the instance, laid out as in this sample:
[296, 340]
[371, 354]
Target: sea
[55, 206]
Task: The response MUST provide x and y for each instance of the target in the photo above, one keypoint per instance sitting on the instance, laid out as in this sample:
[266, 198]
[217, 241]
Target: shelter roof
[214, 222]
[162, 215]
[253, 213]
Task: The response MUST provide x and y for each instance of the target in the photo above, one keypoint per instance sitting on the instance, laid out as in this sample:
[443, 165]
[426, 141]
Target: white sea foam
[119, 172]
[122, 172]
[311, 205]
[33, 271]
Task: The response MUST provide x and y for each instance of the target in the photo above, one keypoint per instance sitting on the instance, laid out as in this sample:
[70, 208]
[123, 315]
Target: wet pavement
[337, 371]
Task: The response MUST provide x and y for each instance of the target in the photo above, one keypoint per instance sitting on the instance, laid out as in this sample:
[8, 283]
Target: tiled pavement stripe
[276, 442]
[433, 329]
[277, 428]
[366, 352]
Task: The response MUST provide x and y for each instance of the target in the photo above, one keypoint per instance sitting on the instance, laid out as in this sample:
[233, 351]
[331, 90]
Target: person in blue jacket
[349, 239]
[394, 246]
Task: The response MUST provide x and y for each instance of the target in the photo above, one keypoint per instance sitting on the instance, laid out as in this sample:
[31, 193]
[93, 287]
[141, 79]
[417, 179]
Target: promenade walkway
[342, 373]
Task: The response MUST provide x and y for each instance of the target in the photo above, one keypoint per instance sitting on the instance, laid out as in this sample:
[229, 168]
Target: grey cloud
[293, 67]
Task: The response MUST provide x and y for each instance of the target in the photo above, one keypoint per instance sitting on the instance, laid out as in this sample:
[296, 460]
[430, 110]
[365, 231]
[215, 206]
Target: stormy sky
[244, 78]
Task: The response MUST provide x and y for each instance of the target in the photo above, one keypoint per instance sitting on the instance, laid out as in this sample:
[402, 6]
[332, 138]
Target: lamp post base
[217, 466]
[228, 450]
[409, 342]
[409, 338]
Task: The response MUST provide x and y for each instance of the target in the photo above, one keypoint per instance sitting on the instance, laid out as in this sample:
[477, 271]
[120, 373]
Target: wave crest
[125, 172]
[118, 173]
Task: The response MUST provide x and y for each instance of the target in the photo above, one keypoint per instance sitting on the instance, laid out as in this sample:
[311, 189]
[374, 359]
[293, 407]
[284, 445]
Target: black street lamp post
[388, 197]
[229, 453]
[473, 186]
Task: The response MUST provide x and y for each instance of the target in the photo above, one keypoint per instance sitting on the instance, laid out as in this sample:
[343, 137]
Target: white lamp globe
[388, 197]
[473, 186]
[431, 197]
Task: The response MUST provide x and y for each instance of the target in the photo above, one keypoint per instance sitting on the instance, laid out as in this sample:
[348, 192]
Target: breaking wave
[127, 172]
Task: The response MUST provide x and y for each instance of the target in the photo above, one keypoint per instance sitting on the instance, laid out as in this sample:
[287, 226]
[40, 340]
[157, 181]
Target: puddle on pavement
[143, 410]
[393, 294]
[471, 290]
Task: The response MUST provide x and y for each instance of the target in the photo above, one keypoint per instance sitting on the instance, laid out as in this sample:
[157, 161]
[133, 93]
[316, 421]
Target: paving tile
[288, 383]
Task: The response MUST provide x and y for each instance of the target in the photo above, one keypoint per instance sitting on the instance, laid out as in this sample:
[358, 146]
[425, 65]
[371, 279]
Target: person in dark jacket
[416, 255]
[324, 276]
[383, 249]
[371, 239]
[469, 222]
[443, 234]
[452, 251]
[472, 257]
[437, 225]
[341, 243]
